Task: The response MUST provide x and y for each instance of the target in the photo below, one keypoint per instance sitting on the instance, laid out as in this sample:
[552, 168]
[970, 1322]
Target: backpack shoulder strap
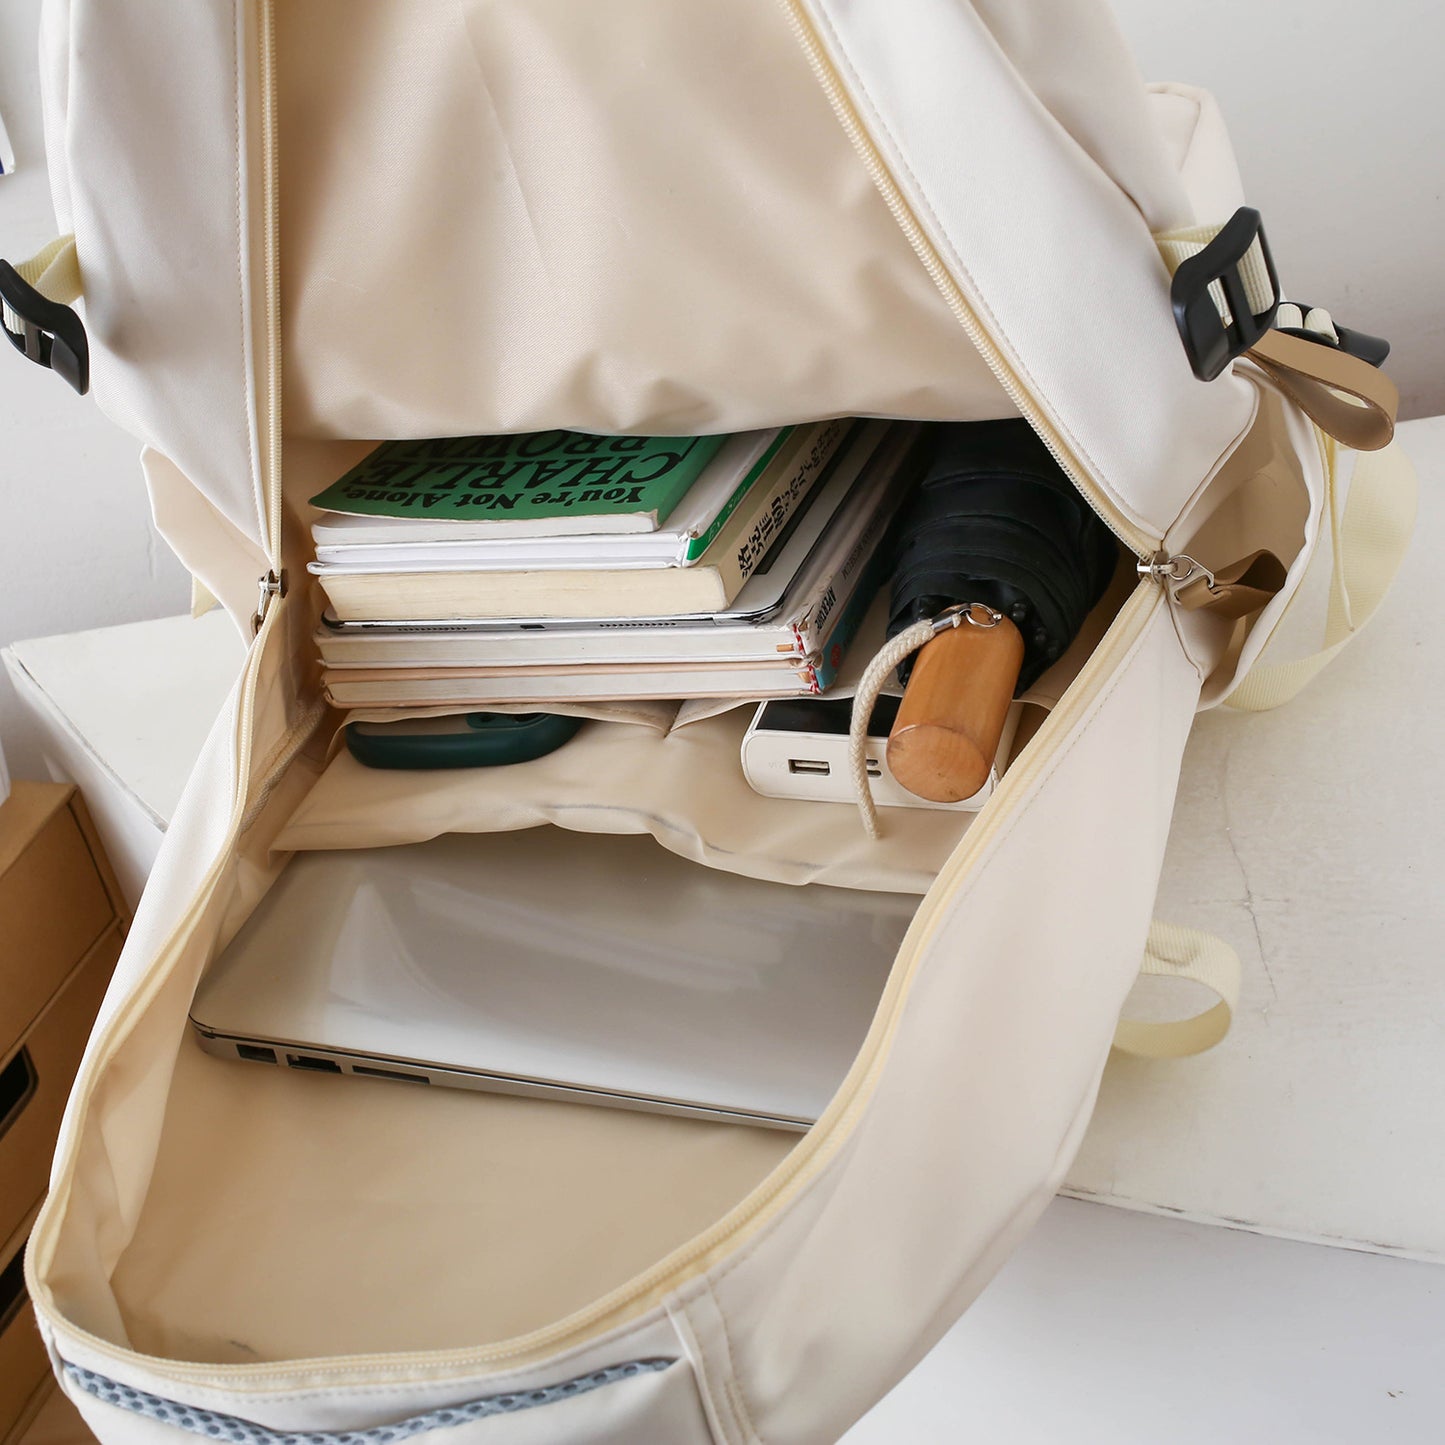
[1369, 536]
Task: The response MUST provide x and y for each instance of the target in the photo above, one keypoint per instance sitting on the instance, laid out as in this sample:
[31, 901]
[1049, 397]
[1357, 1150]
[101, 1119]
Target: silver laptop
[586, 967]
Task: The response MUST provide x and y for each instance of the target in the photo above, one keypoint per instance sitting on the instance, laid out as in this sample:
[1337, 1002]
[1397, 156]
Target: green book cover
[532, 477]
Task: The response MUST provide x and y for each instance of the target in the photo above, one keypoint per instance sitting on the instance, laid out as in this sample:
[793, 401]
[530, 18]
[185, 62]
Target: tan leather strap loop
[1345, 397]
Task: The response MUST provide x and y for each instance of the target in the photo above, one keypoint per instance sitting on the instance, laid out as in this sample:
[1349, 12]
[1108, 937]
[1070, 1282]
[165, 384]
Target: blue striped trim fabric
[212, 1425]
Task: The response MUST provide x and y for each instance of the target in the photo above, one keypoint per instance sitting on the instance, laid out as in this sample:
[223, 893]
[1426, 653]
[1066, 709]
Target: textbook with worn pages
[753, 484]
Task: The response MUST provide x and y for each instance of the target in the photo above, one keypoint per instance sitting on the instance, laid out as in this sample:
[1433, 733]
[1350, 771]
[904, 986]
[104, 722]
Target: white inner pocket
[512, 215]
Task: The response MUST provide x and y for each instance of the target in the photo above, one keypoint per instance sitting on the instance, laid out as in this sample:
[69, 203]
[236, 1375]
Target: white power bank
[798, 748]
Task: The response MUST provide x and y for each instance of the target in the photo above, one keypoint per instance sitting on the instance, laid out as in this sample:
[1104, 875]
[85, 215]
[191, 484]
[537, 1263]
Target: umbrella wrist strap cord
[874, 679]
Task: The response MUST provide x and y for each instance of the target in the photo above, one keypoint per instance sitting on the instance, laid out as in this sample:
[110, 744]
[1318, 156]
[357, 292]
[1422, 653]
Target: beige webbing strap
[54, 272]
[1202, 958]
[1176, 247]
[1369, 542]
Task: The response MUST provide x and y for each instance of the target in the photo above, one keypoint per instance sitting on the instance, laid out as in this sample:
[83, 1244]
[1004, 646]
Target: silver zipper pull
[273, 584]
[1175, 570]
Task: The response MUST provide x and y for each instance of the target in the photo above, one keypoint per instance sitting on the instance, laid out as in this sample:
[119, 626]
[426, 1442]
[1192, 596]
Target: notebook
[590, 575]
[534, 483]
[761, 600]
[583, 967]
[866, 487]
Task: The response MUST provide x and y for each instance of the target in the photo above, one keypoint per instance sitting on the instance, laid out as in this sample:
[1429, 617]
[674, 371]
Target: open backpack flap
[304, 227]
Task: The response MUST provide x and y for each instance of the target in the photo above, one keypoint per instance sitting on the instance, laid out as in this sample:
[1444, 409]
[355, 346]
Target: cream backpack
[302, 225]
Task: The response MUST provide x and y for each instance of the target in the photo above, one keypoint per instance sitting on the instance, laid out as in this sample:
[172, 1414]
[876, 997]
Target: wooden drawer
[57, 899]
[35, 1079]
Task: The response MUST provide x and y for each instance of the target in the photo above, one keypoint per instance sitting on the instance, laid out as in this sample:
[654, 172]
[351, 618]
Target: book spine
[849, 618]
[819, 611]
[699, 544]
[740, 552]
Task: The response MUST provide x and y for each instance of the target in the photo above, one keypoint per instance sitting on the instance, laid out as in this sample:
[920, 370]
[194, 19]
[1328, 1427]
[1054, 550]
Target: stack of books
[559, 566]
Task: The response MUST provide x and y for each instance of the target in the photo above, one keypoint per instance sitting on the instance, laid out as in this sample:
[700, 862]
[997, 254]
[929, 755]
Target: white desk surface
[1111, 1328]
[1310, 838]
[123, 712]
[142, 697]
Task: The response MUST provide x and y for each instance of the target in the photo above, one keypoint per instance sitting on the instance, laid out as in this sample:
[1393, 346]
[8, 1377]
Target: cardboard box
[24, 1365]
[36, 1076]
[58, 898]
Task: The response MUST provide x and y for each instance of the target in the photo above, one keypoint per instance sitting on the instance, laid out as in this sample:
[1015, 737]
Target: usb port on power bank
[814, 767]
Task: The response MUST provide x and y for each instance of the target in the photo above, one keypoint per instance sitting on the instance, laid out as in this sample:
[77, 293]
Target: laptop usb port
[813, 767]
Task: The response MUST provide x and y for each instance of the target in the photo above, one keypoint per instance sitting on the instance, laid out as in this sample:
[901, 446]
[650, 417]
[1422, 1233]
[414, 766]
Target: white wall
[1335, 111]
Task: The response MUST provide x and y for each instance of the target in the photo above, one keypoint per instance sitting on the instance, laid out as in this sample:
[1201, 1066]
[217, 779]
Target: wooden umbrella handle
[950, 720]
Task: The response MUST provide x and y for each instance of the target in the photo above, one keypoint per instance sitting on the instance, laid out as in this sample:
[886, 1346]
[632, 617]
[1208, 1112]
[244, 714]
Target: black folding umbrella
[998, 547]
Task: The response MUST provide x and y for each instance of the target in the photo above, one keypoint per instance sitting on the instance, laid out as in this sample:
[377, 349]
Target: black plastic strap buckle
[51, 335]
[1210, 342]
[1370, 349]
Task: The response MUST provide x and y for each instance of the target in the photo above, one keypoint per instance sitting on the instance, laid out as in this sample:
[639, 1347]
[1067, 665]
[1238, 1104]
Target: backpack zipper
[1170, 571]
[808, 1158]
[816, 1148]
[1144, 547]
[1135, 538]
[271, 268]
[272, 583]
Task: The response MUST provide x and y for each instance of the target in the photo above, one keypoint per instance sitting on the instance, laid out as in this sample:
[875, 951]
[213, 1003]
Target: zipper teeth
[285, 754]
[809, 1157]
[98, 1055]
[243, 807]
[1138, 541]
[271, 262]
